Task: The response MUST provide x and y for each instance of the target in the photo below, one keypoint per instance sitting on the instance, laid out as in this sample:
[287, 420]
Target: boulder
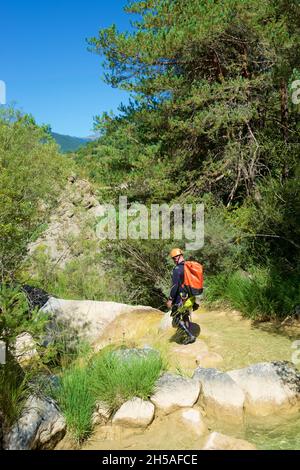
[135, 413]
[166, 322]
[218, 441]
[194, 420]
[220, 395]
[174, 391]
[270, 387]
[41, 426]
[88, 318]
[25, 348]
[126, 354]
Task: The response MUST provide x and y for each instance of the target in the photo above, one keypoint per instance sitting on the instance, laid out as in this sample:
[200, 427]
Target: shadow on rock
[179, 335]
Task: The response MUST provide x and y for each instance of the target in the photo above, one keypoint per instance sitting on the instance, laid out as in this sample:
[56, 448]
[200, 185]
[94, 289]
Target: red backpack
[193, 278]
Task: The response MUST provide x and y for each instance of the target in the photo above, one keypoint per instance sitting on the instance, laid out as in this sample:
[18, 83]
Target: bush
[16, 317]
[261, 294]
[32, 173]
[14, 390]
[82, 278]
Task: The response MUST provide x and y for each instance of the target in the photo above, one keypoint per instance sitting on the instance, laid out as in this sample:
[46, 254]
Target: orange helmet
[175, 252]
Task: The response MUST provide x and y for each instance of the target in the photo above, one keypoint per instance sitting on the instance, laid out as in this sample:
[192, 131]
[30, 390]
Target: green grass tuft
[261, 295]
[115, 381]
[107, 378]
[76, 402]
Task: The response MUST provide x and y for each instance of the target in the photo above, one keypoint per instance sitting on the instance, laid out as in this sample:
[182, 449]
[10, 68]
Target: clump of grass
[115, 380]
[107, 378]
[76, 401]
[261, 295]
[14, 390]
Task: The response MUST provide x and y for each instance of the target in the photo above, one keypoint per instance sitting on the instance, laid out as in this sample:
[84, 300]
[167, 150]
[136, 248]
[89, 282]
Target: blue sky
[45, 63]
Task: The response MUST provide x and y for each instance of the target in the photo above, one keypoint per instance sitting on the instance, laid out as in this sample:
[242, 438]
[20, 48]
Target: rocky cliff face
[71, 224]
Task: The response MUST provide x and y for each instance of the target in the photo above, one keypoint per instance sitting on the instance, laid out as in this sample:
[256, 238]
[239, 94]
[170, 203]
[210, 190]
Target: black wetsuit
[176, 290]
[177, 281]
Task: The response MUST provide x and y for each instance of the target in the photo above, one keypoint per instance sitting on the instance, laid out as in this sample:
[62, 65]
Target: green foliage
[68, 143]
[262, 294]
[15, 389]
[115, 380]
[31, 175]
[76, 402]
[83, 278]
[107, 378]
[15, 317]
[211, 120]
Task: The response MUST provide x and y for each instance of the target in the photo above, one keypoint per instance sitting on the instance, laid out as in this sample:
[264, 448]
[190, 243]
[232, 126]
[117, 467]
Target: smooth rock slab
[270, 387]
[220, 395]
[88, 318]
[194, 419]
[135, 413]
[173, 392]
[218, 441]
[41, 426]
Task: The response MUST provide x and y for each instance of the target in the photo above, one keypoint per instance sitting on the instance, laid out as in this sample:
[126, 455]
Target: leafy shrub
[31, 176]
[14, 390]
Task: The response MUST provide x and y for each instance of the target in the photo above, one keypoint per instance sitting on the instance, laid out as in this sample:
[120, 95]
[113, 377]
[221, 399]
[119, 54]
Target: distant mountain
[68, 143]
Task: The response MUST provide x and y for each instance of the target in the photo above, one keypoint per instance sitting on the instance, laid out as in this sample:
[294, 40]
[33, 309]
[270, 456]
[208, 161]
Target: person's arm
[176, 284]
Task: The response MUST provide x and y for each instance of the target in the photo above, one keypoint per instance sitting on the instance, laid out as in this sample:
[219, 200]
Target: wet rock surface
[220, 395]
[86, 317]
[41, 426]
[174, 391]
[218, 441]
[270, 387]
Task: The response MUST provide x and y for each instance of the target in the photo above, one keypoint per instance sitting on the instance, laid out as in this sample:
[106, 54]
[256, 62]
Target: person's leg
[186, 320]
[184, 326]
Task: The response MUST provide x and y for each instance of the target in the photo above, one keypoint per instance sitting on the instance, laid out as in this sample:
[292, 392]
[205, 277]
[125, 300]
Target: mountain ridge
[68, 143]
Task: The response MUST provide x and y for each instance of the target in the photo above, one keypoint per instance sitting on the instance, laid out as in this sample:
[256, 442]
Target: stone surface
[25, 348]
[174, 391]
[127, 354]
[220, 395]
[194, 420]
[209, 359]
[218, 441]
[135, 413]
[101, 414]
[70, 224]
[192, 350]
[270, 387]
[166, 322]
[88, 318]
[41, 426]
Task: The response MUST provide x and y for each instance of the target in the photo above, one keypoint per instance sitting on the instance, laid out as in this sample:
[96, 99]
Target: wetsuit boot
[190, 338]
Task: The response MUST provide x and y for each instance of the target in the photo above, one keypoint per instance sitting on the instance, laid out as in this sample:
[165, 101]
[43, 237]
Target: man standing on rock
[179, 300]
